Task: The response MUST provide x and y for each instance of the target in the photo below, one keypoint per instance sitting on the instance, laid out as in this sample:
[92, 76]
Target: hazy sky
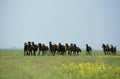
[72, 21]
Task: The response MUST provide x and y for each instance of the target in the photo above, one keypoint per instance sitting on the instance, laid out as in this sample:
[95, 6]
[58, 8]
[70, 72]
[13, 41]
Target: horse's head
[29, 43]
[32, 43]
[39, 44]
[25, 44]
[103, 45]
[86, 45]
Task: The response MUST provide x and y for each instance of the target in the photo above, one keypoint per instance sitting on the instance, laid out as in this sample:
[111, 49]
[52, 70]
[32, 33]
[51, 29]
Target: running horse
[25, 49]
[68, 49]
[61, 49]
[52, 48]
[34, 48]
[113, 50]
[29, 48]
[88, 49]
[106, 49]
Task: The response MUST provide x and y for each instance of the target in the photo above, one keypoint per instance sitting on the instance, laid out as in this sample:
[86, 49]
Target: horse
[25, 49]
[39, 48]
[68, 49]
[52, 48]
[42, 48]
[106, 49]
[61, 49]
[76, 49]
[29, 47]
[88, 49]
[34, 48]
[113, 50]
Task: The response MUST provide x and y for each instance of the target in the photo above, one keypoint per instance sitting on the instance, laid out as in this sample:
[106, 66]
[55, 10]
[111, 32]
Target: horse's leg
[69, 53]
[34, 53]
[28, 53]
[77, 52]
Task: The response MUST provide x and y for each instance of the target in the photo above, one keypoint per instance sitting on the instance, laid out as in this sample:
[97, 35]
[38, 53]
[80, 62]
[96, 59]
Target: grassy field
[13, 65]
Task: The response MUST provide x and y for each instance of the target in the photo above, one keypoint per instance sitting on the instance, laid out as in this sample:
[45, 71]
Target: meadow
[14, 65]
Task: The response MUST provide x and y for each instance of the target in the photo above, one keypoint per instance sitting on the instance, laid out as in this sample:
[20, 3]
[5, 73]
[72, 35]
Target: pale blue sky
[72, 21]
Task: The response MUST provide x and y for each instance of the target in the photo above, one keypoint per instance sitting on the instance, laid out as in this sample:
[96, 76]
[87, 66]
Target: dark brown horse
[106, 49]
[88, 49]
[68, 49]
[34, 48]
[42, 48]
[76, 50]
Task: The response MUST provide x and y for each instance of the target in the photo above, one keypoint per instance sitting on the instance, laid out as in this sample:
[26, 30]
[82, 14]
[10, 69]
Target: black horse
[29, 47]
[88, 50]
[52, 48]
[25, 49]
[42, 48]
[39, 48]
[61, 49]
[113, 50]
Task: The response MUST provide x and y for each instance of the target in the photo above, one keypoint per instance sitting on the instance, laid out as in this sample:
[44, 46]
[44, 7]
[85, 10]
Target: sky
[82, 22]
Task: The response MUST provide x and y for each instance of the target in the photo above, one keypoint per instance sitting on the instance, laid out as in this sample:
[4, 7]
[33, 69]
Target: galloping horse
[76, 50]
[34, 48]
[61, 49]
[29, 48]
[52, 48]
[42, 48]
[25, 49]
[106, 49]
[88, 49]
[68, 49]
[39, 48]
[113, 50]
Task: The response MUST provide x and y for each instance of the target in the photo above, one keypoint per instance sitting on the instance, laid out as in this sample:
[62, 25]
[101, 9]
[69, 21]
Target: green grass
[13, 65]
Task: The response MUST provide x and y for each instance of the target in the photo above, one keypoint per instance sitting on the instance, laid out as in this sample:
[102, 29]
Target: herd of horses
[32, 49]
